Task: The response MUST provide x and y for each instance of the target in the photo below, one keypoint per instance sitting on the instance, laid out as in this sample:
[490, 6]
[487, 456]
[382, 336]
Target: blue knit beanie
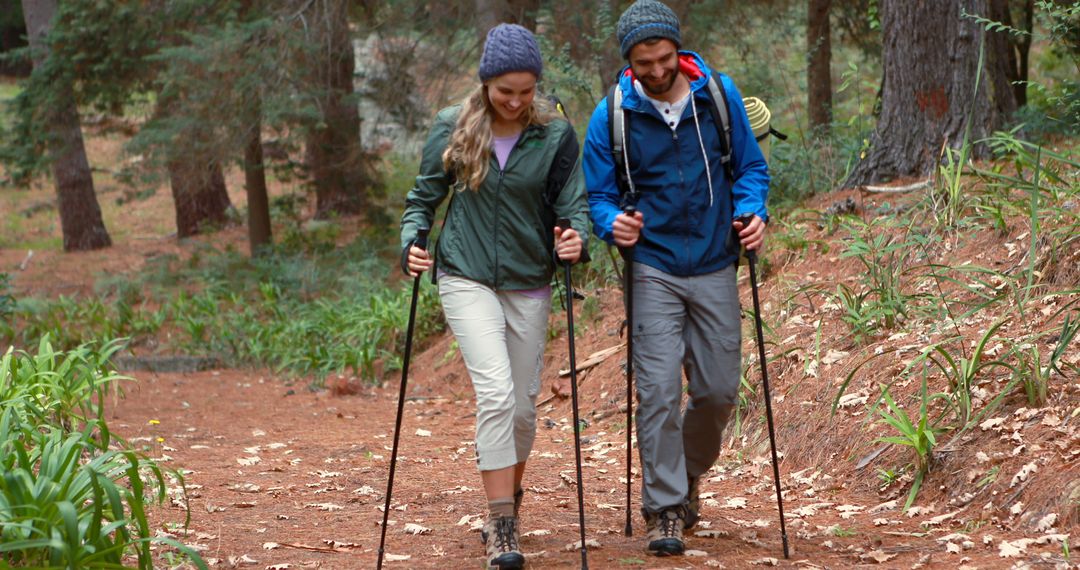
[510, 47]
[646, 19]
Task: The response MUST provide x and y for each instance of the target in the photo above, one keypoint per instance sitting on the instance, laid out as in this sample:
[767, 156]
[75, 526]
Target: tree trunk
[80, 215]
[490, 13]
[12, 36]
[336, 160]
[1018, 59]
[200, 197]
[818, 69]
[930, 57]
[259, 231]
[199, 194]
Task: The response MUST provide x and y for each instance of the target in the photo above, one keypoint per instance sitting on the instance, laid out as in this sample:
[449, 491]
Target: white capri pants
[502, 336]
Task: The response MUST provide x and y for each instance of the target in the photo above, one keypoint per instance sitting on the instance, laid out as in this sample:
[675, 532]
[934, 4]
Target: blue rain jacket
[683, 235]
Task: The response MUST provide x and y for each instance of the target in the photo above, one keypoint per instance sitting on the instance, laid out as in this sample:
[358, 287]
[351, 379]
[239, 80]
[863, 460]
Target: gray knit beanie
[646, 19]
[510, 47]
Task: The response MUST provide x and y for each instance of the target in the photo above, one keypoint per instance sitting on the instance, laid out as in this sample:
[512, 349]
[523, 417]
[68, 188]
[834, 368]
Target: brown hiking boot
[517, 510]
[664, 531]
[503, 552]
[693, 501]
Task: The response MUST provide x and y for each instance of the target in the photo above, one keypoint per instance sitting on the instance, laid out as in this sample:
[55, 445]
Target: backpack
[618, 121]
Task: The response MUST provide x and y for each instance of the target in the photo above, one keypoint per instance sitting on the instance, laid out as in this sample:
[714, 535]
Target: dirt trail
[283, 477]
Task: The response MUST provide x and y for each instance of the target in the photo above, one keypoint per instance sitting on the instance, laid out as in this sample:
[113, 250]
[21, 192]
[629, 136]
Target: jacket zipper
[498, 207]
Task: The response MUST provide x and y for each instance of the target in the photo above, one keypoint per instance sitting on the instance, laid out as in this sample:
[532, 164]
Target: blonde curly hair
[468, 155]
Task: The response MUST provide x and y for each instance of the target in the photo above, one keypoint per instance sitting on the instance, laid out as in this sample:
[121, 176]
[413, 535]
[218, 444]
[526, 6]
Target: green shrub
[69, 498]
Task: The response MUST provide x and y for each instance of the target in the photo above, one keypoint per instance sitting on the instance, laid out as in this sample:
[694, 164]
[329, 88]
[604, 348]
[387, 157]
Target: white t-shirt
[671, 112]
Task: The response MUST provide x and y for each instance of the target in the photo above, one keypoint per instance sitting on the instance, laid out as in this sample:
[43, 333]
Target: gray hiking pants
[682, 324]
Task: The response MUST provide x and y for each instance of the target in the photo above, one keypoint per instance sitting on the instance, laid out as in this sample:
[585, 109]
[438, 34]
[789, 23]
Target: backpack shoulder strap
[618, 125]
[562, 166]
[722, 118]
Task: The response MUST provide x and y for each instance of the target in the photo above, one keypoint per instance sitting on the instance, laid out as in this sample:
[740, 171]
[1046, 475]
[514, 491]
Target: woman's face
[511, 93]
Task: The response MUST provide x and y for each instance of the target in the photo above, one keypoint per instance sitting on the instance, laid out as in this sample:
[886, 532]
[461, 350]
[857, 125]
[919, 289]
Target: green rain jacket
[502, 234]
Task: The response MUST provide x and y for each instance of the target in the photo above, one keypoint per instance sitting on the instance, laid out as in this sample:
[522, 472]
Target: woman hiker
[495, 155]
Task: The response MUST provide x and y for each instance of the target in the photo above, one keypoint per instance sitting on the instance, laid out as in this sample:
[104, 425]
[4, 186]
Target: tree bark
[490, 13]
[818, 69]
[200, 197]
[336, 160]
[199, 194]
[930, 57]
[12, 36]
[80, 214]
[260, 235]
[1017, 60]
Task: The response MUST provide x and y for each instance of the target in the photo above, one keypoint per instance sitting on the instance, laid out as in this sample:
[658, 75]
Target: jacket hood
[690, 64]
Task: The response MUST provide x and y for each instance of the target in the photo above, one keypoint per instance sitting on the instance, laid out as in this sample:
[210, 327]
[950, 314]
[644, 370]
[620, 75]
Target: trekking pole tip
[629, 530]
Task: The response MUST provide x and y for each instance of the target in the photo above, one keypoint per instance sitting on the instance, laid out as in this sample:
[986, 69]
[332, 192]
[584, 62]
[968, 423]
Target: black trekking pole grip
[421, 238]
[745, 220]
[751, 258]
[421, 242]
[564, 224]
[628, 290]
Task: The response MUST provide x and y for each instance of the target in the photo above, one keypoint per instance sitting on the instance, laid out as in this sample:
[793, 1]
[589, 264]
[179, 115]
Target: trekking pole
[564, 224]
[628, 290]
[421, 242]
[751, 257]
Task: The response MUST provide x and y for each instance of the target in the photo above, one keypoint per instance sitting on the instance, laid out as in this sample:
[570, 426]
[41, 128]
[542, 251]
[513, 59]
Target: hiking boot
[693, 501]
[664, 531]
[503, 552]
[517, 509]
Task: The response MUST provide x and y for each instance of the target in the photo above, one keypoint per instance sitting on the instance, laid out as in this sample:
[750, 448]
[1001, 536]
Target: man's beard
[664, 89]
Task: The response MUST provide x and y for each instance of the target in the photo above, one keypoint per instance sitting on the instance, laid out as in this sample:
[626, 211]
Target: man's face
[656, 65]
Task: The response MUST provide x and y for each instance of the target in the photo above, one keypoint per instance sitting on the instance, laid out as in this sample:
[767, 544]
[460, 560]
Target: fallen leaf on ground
[1023, 474]
[833, 356]
[848, 511]
[397, 557]
[271, 545]
[711, 533]
[589, 543]
[940, 519]
[467, 519]
[423, 433]
[735, 503]
[329, 507]
[695, 553]
[765, 562]
[248, 460]
[1007, 549]
[537, 532]
[878, 556]
[917, 510]
[341, 545]
[886, 506]
[413, 528]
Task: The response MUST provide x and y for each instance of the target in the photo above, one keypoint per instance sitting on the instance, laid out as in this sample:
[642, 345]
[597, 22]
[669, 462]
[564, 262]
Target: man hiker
[685, 181]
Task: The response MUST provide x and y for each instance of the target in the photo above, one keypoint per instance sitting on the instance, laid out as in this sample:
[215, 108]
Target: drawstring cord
[701, 143]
